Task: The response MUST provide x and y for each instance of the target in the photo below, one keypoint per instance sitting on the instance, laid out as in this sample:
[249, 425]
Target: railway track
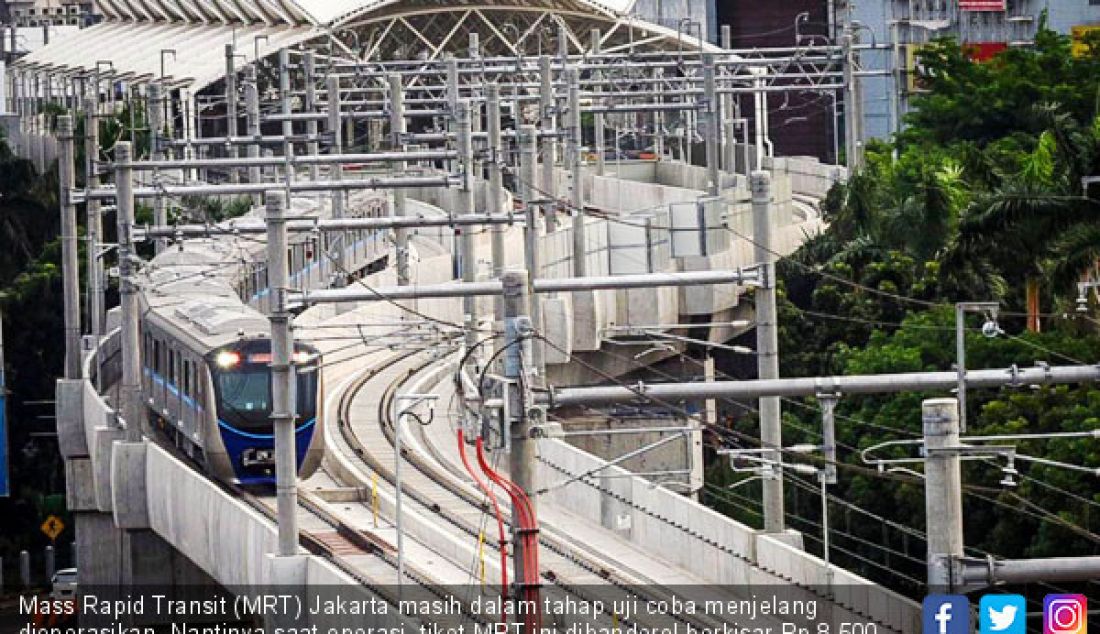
[566, 570]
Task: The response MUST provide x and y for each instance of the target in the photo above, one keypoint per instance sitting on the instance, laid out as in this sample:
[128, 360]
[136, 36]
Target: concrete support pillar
[767, 346]
[943, 491]
[70, 267]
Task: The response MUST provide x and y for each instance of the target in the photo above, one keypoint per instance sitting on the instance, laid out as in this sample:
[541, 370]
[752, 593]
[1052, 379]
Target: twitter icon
[1002, 614]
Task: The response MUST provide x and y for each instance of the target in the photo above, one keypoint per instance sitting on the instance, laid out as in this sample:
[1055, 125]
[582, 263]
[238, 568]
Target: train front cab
[241, 378]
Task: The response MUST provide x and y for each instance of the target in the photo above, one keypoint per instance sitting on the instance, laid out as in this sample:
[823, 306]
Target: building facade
[986, 26]
[33, 13]
[800, 124]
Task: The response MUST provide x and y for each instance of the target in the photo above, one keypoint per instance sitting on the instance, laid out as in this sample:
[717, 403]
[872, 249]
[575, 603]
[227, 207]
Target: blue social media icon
[1002, 614]
[946, 614]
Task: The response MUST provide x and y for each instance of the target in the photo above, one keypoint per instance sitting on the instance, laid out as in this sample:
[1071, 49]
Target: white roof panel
[134, 48]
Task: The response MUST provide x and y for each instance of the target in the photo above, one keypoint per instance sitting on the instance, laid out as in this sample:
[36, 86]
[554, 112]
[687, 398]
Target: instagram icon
[1065, 614]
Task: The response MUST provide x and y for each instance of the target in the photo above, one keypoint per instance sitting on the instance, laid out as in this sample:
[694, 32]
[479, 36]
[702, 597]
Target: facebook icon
[946, 614]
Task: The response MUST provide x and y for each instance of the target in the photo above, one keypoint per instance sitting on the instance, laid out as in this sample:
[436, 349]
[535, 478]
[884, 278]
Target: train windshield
[245, 400]
[242, 378]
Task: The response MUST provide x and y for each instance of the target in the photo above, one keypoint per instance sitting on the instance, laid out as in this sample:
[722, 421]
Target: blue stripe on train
[236, 441]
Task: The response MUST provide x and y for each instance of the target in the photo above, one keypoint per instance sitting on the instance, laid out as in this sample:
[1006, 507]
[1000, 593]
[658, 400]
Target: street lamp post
[990, 329]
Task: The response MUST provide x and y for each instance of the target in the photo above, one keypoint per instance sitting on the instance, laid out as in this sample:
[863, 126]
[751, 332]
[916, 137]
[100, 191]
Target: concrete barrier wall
[712, 546]
[809, 177]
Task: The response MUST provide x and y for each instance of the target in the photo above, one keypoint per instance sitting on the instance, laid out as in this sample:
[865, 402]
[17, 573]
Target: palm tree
[1038, 223]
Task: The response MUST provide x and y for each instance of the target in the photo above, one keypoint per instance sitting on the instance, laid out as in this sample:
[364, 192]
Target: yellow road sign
[52, 527]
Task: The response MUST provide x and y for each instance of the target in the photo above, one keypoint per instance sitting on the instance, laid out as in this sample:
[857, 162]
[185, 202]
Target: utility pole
[547, 110]
[231, 105]
[94, 217]
[493, 196]
[337, 243]
[527, 138]
[466, 208]
[521, 460]
[767, 346]
[130, 402]
[70, 268]
[398, 128]
[282, 375]
[943, 490]
[573, 125]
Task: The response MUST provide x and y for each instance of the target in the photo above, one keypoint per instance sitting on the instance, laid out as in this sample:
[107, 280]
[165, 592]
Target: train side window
[156, 356]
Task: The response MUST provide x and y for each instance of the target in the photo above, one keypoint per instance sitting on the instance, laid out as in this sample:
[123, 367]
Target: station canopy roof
[133, 43]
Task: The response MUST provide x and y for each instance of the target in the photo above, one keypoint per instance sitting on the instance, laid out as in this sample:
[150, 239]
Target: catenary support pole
[337, 244]
[767, 344]
[942, 491]
[850, 109]
[494, 195]
[252, 113]
[231, 104]
[521, 460]
[70, 267]
[528, 157]
[156, 128]
[94, 218]
[287, 103]
[309, 64]
[465, 148]
[547, 112]
[130, 403]
[400, 199]
[712, 129]
[282, 376]
[576, 193]
[598, 119]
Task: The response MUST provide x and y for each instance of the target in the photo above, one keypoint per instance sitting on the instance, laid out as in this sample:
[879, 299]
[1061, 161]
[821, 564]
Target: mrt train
[206, 350]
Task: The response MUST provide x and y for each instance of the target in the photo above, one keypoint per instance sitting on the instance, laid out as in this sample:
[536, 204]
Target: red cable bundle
[501, 537]
[528, 529]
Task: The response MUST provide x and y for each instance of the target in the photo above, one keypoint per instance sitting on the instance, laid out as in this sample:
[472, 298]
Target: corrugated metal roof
[335, 12]
[134, 49]
[287, 12]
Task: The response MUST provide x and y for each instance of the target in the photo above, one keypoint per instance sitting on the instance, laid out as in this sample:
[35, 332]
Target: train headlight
[227, 359]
